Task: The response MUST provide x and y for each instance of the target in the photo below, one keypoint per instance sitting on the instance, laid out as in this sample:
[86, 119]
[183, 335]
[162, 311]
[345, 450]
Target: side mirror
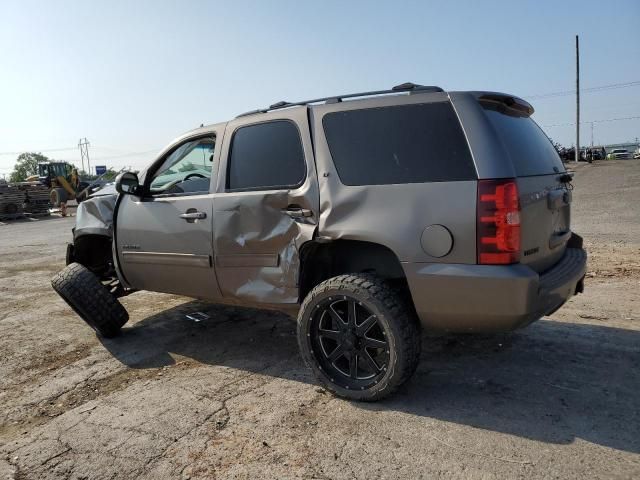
[127, 183]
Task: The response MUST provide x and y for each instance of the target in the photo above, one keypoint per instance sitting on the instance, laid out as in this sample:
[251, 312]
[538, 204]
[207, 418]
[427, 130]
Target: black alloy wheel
[360, 336]
[349, 342]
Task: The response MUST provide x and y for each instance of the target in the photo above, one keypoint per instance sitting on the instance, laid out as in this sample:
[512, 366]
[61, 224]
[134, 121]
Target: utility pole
[577, 100]
[83, 145]
[591, 134]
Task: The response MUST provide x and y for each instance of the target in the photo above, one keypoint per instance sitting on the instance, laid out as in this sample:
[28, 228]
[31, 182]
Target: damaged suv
[370, 216]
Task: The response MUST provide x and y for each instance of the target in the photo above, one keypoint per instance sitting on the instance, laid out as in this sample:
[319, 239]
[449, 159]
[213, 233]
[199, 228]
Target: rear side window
[401, 144]
[266, 156]
[530, 150]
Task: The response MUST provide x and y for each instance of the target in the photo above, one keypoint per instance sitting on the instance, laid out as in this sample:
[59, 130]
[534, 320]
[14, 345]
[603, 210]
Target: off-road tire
[391, 308]
[91, 300]
[57, 196]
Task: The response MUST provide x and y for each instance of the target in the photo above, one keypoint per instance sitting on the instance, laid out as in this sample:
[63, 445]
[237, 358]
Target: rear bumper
[487, 298]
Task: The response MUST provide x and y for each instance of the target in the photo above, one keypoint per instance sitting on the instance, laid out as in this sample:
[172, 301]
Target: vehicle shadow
[37, 218]
[552, 382]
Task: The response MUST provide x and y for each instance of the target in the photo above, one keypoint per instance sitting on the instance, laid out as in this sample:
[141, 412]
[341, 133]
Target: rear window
[401, 144]
[530, 150]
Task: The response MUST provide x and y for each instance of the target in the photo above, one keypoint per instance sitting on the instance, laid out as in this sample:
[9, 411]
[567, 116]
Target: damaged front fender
[95, 216]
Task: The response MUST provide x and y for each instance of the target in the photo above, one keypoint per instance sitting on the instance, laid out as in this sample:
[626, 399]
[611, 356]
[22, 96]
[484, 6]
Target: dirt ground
[231, 398]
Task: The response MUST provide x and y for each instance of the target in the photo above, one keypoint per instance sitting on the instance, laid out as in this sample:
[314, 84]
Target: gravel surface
[230, 398]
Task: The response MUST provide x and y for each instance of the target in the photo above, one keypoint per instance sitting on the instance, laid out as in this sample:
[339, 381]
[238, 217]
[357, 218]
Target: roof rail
[404, 87]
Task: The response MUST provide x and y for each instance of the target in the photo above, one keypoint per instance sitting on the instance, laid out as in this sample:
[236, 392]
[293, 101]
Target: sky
[132, 75]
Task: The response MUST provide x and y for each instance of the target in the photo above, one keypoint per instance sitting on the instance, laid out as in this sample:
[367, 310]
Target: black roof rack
[404, 87]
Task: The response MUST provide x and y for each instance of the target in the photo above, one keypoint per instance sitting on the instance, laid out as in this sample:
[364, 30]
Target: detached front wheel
[359, 336]
[91, 300]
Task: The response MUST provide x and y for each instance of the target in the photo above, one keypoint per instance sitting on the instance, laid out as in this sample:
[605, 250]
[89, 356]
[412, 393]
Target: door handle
[193, 216]
[297, 212]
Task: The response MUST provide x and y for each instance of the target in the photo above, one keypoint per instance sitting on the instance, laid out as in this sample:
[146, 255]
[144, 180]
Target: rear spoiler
[509, 104]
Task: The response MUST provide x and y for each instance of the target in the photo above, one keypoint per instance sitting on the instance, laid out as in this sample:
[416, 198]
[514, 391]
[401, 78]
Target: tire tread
[91, 300]
[397, 308]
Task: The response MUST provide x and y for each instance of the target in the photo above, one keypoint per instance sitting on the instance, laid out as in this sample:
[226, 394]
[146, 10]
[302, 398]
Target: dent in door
[251, 230]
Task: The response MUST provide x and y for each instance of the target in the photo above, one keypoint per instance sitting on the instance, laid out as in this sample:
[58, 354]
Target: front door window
[187, 170]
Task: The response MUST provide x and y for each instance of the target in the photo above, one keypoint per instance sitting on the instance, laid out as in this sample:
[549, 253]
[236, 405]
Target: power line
[593, 121]
[565, 93]
[47, 150]
[129, 154]
[111, 149]
[126, 155]
[38, 150]
[109, 157]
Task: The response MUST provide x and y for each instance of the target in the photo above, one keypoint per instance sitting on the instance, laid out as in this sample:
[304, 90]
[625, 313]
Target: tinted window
[530, 150]
[403, 144]
[267, 155]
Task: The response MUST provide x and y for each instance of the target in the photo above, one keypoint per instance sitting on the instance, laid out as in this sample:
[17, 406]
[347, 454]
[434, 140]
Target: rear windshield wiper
[565, 178]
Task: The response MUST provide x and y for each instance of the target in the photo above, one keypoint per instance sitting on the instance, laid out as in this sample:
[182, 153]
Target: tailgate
[545, 198]
[545, 220]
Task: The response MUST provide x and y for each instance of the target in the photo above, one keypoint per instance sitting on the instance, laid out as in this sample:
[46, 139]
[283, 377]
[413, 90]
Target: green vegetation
[27, 165]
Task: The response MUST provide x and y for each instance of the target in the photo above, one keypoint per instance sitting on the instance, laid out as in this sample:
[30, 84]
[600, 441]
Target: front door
[266, 206]
[164, 238]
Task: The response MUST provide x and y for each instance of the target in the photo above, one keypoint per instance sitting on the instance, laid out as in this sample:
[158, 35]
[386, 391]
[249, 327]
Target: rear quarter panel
[393, 215]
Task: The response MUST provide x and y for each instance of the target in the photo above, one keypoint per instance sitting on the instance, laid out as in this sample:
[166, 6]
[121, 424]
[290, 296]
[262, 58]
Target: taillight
[498, 230]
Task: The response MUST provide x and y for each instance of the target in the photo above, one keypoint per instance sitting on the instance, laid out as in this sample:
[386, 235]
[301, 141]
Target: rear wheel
[359, 336]
[91, 300]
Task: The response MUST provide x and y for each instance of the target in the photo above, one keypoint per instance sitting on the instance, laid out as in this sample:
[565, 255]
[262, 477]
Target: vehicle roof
[401, 90]
[427, 91]
[365, 97]
[407, 87]
[202, 130]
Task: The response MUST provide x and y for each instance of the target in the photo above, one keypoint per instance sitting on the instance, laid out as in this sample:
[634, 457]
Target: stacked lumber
[11, 202]
[36, 200]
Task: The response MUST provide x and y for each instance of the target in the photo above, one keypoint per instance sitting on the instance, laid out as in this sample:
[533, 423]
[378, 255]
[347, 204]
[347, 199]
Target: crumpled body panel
[256, 240]
[95, 216]
[256, 247]
[251, 223]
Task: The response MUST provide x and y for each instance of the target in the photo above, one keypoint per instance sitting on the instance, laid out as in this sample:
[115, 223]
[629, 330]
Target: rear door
[266, 206]
[544, 198]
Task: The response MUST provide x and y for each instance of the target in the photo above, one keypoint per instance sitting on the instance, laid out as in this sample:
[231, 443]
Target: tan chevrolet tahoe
[368, 216]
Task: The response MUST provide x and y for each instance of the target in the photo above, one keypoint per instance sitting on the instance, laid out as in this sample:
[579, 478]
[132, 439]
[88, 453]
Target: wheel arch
[94, 252]
[320, 261]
